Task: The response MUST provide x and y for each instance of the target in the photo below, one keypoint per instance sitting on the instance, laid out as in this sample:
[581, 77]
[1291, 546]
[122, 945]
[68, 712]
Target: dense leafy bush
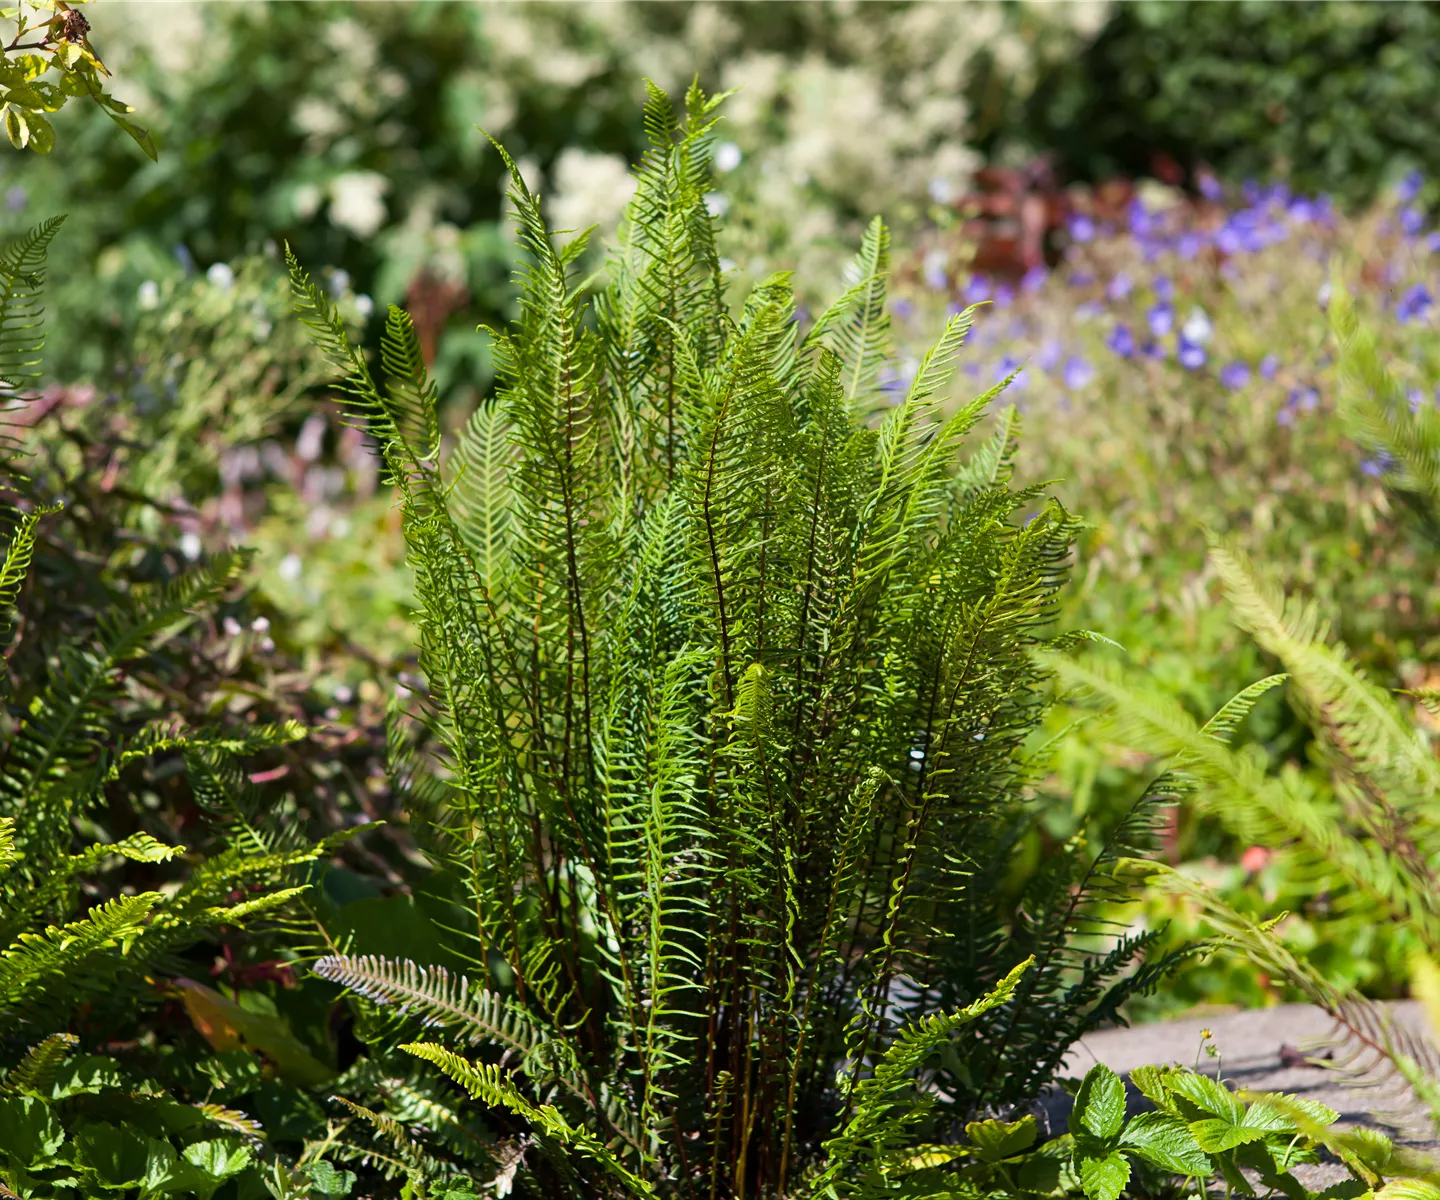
[1334, 97]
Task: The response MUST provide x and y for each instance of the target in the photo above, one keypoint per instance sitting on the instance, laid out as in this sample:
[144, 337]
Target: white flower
[717, 204]
[364, 305]
[727, 156]
[190, 546]
[221, 276]
[1197, 328]
[232, 627]
[356, 202]
[290, 568]
[306, 200]
[149, 294]
[590, 189]
[260, 624]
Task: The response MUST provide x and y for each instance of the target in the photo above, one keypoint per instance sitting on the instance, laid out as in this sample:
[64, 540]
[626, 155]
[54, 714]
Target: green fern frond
[22, 276]
[495, 1088]
[35, 1073]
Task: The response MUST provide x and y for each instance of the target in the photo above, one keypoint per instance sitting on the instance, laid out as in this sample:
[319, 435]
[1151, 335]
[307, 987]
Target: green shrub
[1334, 97]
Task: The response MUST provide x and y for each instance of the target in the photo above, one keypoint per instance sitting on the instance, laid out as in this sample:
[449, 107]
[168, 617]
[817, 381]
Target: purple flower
[1080, 279]
[977, 289]
[1033, 279]
[1142, 223]
[1251, 191]
[1077, 372]
[1004, 295]
[1412, 220]
[1189, 245]
[1120, 286]
[1209, 186]
[902, 308]
[1415, 302]
[1049, 356]
[1286, 416]
[1122, 341]
[1161, 318]
[1302, 210]
[1409, 187]
[1190, 355]
[1082, 228]
[1432, 243]
[1416, 398]
[1269, 365]
[1163, 288]
[1234, 376]
[1305, 399]
[1373, 467]
[1004, 367]
[1155, 350]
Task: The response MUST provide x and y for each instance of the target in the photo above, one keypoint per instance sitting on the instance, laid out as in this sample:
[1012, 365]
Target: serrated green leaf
[1216, 1135]
[996, 1140]
[29, 1130]
[122, 1158]
[1166, 1141]
[1103, 1177]
[1207, 1095]
[1099, 1105]
[330, 1181]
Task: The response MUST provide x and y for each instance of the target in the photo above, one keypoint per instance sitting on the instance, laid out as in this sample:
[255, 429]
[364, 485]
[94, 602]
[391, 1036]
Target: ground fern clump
[728, 711]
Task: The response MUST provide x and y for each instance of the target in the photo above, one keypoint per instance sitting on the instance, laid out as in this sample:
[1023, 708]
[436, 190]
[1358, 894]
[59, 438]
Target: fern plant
[90, 925]
[727, 719]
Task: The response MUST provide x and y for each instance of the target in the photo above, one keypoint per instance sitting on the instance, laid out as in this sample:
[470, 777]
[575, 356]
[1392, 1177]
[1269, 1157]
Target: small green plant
[1194, 1133]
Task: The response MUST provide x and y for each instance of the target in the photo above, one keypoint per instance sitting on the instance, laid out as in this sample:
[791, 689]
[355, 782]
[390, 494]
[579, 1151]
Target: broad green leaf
[68, 53]
[1099, 1105]
[1166, 1141]
[139, 133]
[228, 1026]
[1218, 1135]
[1103, 1176]
[42, 134]
[330, 1181]
[29, 1130]
[16, 128]
[1154, 1084]
[996, 1140]
[222, 1157]
[1208, 1096]
[121, 1158]
[1039, 1173]
[1268, 1118]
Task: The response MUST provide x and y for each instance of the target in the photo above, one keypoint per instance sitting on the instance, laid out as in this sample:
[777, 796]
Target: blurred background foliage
[1154, 198]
